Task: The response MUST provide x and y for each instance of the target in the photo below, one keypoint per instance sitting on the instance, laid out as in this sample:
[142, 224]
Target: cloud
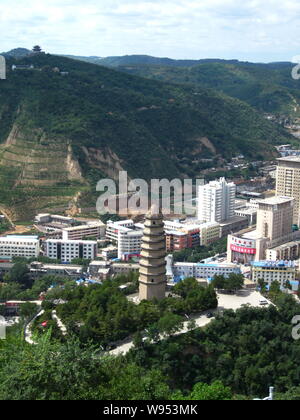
[253, 29]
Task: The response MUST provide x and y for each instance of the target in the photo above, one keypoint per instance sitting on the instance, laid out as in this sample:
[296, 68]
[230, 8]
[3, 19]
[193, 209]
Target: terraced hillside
[61, 133]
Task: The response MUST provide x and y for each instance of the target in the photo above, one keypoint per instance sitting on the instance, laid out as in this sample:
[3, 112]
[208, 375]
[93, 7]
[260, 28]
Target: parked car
[209, 315]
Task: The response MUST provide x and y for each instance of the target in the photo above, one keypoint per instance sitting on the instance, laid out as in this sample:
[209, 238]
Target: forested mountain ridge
[66, 123]
[268, 87]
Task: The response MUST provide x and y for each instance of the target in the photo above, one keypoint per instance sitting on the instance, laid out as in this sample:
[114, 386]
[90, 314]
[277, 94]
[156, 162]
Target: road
[226, 301]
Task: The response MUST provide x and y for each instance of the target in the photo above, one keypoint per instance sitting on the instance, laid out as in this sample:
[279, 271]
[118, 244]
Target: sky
[253, 30]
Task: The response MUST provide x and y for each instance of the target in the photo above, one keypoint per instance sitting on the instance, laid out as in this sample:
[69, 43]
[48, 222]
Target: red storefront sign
[243, 250]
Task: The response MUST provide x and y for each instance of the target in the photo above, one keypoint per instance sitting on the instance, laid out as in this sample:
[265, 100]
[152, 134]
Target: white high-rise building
[216, 201]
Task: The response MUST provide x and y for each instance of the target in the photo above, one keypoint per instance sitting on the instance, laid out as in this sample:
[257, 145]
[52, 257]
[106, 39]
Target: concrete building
[288, 182]
[274, 228]
[286, 251]
[89, 230]
[38, 269]
[249, 213]
[216, 201]
[153, 278]
[109, 252]
[103, 270]
[127, 235]
[181, 235]
[235, 224]
[204, 271]
[270, 271]
[275, 219]
[47, 218]
[209, 233]
[66, 251]
[19, 246]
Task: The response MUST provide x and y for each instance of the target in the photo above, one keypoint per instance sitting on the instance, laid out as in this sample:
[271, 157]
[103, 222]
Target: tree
[28, 309]
[275, 289]
[20, 274]
[234, 282]
[184, 287]
[215, 392]
[262, 285]
[219, 282]
[170, 324]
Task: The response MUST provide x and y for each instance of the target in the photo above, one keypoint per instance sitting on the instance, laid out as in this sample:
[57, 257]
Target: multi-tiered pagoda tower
[152, 263]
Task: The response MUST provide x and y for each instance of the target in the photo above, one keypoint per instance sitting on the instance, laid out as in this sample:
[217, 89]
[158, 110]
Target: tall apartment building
[288, 182]
[19, 246]
[275, 219]
[126, 235]
[216, 201]
[90, 230]
[66, 251]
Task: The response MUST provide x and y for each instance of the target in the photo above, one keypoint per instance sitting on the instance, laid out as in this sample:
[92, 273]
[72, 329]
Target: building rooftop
[285, 245]
[246, 210]
[289, 159]
[84, 227]
[70, 241]
[21, 237]
[275, 200]
[234, 219]
[270, 264]
[253, 234]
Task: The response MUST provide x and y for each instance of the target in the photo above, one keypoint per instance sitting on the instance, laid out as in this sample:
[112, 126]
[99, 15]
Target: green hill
[60, 133]
[268, 87]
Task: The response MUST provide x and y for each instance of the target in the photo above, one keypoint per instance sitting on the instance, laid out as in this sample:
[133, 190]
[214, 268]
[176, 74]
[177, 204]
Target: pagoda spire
[153, 257]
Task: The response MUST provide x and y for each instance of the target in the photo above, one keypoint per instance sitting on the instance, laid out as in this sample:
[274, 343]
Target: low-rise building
[109, 252]
[19, 246]
[89, 230]
[103, 270]
[235, 224]
[181, 235]
[38, 269]
[127, 235]
[47, 218]
[209, 233]
[67, 251]
[271, 271]
[204, 271]
[249, 213]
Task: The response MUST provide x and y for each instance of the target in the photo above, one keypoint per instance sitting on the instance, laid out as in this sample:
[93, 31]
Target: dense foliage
[248, 350]
[104, 314]
[238, 356]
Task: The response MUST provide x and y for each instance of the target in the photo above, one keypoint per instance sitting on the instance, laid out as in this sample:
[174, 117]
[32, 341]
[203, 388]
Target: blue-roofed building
[270, 271]
[204, 271]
